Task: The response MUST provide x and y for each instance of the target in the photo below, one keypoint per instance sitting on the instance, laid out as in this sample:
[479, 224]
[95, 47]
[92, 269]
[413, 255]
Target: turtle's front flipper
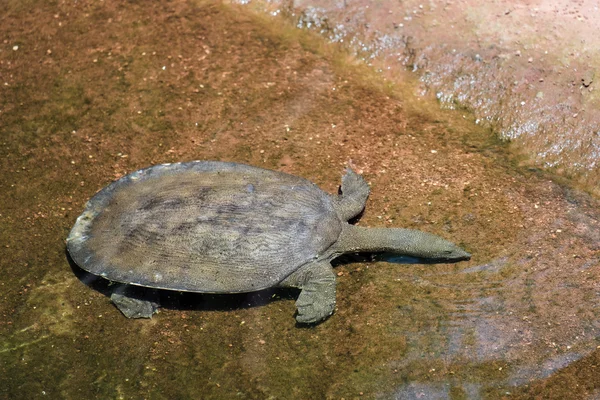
[355, 192]
[317, 298]
[132, 307]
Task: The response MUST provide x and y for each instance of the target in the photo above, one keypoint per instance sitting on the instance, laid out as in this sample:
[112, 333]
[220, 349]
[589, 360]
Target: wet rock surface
[525, 68]
[96, 90]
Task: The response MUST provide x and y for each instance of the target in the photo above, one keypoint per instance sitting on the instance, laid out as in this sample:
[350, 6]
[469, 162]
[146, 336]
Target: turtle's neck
[401, 241]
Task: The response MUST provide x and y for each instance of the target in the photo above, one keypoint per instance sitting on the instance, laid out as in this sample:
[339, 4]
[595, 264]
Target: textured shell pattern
[204, 226]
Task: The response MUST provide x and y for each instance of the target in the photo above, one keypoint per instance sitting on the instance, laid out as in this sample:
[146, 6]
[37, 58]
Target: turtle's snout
[459, 255]
[452, 253]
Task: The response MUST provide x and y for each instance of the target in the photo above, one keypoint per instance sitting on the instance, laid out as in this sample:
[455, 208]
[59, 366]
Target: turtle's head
[431, 248]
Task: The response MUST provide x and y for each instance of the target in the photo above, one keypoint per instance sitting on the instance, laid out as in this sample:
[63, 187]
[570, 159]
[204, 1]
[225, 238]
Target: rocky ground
[528, 69]
[92, 91]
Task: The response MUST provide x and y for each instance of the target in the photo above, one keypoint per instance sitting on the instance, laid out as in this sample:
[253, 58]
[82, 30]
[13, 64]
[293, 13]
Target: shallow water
[94, 91]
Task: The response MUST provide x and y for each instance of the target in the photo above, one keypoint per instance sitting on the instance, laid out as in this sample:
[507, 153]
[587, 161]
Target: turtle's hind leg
[317, 298]
[132, 307]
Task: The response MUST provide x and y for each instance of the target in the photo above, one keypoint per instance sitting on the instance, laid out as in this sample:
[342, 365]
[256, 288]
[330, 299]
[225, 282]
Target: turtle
[225, 227]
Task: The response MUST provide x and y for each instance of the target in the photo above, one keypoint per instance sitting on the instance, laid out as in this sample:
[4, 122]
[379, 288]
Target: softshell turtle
[220, 227]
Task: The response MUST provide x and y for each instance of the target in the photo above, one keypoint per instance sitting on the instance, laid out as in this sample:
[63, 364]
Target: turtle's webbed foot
[354, 185]
[317, 298]
[355, 192]
[353, 181]
[132, 307]
[313, 307]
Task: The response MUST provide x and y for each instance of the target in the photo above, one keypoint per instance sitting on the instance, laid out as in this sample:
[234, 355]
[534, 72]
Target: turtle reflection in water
[217, 227]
